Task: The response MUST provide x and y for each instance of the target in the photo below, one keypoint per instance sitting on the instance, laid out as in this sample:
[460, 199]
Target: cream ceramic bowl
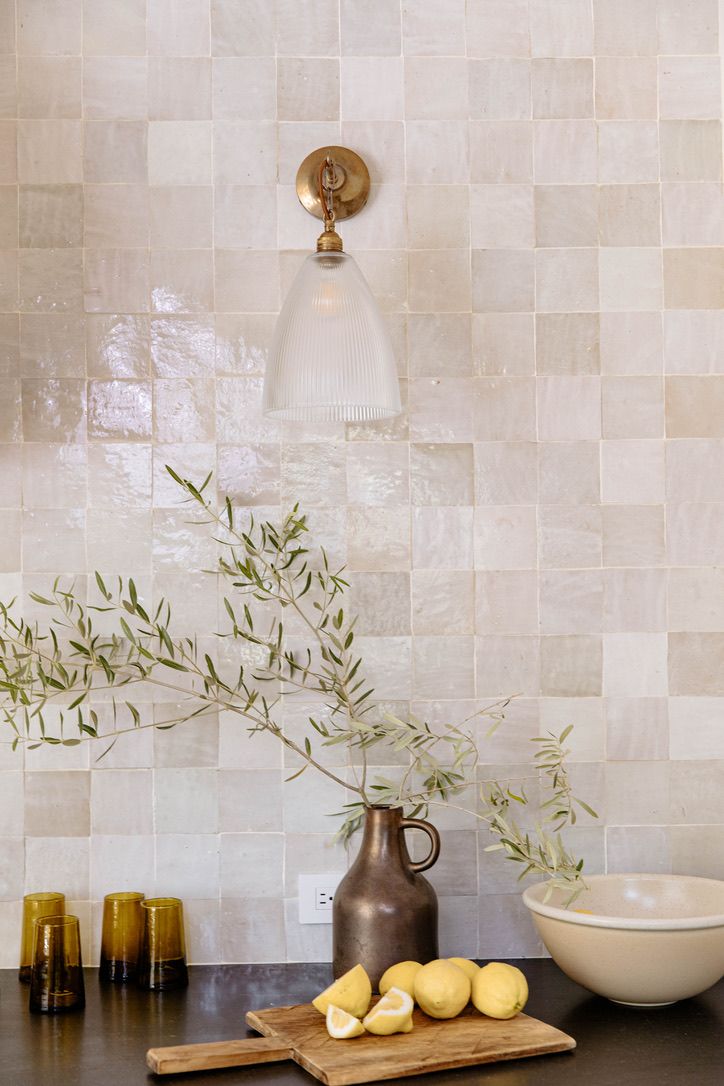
[645, 940]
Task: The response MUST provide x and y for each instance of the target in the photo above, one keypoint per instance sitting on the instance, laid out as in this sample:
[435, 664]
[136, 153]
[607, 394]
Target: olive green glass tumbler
[50, 903]
[162, 965]
[56, 979]
[121, 936]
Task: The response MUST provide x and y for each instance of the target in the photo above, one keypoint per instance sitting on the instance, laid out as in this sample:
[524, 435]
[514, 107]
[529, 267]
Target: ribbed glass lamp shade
[331, 358]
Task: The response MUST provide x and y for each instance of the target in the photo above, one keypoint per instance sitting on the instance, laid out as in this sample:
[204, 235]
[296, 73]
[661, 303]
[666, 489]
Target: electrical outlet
[316, 897]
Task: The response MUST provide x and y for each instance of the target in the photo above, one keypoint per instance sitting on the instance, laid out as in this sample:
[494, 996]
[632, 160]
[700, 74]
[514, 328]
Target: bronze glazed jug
[384, 910]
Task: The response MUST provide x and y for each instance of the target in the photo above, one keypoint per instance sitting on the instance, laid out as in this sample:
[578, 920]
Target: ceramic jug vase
[384, 910]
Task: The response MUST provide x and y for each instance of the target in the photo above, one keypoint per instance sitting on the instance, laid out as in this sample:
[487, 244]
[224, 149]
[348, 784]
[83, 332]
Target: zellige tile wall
[546, 237]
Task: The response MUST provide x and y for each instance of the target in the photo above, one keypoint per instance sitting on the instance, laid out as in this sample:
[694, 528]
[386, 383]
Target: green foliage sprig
[52, 681]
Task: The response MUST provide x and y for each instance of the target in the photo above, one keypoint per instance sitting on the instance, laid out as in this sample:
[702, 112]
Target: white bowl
[644, 940]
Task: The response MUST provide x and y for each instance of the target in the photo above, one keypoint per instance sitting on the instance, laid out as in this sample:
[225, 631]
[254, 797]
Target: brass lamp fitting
[333, 183]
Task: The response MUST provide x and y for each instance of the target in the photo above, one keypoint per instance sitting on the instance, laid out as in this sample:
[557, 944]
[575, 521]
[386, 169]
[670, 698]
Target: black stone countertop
[106, 1044]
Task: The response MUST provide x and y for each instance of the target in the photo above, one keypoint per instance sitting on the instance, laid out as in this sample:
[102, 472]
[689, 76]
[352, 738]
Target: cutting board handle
[216, 1054]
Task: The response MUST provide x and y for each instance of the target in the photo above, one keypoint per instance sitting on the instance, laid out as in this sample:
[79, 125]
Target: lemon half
[341, 1025]
[351, 993]
[393, 1014]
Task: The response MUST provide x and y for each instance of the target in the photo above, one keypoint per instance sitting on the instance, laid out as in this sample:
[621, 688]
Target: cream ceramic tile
[52, 344]
[564, 151]
[178, 31]
[244, 153]
[115, 216]
[49, 152]
[686, 28]
[443, 666]
[432, 28]
[630, 215]
[694, 663]
[307, 88]
[9, 156]
[115, 88]
[501, 151]
[503, 280]
[50, 280]
[562, 88]
[439, 281]
[115, 151]
[632, 407]
[117, 345]
[48, 87]
[244, 88]
[632, 471]
[56, 804]
[567, 343]
[505, 537]
[361, 36]
[501, 216]
[631, 343]
[182, 281]
[442, 602]
[500, 89]
[690, 87]
[630, 278]
[569, 408]
[179, 88]
[442, 537]
[116, 280]
[566, 280]
[49, 26]
[690, 150]
[506, 602]
[566, 215]
[8, 86]
[571, 666]
[565, 30]
[569, 473]
[179, 152]
[694, 470]
[438, 216]
[497, 28]
[569, 537]
[505, 409]
[242, 31]
[373, 89]
[246, 281]
[694, 533]
[436, 152]
[628, 151]
[441, 410]
[625, 29]
[119, 410]
[506, 663]
[693, 278]
[571, 601]
[50, 216]
[692, 215]
[54, 410]
[439, 343]
[692, 407]
[54, 476]
[503, 343]
[110, 27]
[626, 88]
[505, 473]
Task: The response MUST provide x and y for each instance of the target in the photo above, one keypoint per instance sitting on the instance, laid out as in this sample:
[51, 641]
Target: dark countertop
[106, 1044]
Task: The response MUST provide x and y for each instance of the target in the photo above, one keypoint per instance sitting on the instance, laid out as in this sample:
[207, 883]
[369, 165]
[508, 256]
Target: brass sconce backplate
[351, 187]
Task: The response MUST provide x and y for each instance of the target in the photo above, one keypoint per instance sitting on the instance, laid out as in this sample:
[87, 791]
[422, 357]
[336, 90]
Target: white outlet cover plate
[311, 887]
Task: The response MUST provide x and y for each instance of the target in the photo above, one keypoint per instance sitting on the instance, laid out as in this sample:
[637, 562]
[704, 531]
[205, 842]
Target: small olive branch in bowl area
[287, 626]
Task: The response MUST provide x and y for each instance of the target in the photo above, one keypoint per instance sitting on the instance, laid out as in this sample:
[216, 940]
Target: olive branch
[66, 669]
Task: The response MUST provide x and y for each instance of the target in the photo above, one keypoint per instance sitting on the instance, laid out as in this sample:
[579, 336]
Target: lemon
[469, 968]
[401, 976]
[500, 990]
[341, 1025]
[442, 989]
[351, 993]
[393, 1014]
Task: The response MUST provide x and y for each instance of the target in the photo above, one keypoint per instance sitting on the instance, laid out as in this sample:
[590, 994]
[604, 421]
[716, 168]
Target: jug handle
[426, 827]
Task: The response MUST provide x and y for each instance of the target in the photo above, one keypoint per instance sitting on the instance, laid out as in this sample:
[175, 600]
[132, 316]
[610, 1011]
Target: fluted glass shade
[331, 358]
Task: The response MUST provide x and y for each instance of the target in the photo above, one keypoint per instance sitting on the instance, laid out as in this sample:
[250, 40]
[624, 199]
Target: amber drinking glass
[56, 979]
[51, 903]
[121, 936]
[162, 964]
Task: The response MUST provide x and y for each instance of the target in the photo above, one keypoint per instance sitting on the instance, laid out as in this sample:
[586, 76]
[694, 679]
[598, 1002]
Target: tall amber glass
[50, 903]
[162, 965]
[56, 979]
[121, 936]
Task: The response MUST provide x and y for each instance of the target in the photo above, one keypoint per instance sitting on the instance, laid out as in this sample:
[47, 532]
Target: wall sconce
[331, 358]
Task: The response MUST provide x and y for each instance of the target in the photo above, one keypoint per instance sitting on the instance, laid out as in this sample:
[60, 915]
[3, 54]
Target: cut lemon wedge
[341, 1025]
[393, 1014]
[352, 992]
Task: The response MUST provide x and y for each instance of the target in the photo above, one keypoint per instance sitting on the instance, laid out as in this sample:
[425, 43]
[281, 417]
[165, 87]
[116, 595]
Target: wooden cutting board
[299, 1033]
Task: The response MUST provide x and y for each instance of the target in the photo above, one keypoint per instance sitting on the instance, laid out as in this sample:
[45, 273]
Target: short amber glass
[162, 964]
[56, 979]
[121, 936]
[51, 903]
